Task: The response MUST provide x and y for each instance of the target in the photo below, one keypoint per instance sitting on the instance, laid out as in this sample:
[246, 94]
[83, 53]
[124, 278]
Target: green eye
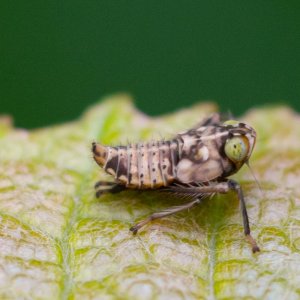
[230, 122]
[237, 149]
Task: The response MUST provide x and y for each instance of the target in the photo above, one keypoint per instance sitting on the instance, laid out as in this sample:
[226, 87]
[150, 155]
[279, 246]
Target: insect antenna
[254, 176]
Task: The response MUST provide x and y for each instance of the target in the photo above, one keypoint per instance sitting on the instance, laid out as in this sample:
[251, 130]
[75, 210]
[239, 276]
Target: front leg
[233, 185]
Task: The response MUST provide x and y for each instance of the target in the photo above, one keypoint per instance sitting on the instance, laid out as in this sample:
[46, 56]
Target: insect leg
[237, 188]
[107, 187]
[104, 183]
[164, 213]
[223, 188]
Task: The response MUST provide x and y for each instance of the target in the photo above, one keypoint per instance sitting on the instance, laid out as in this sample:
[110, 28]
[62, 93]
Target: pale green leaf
[57, 241]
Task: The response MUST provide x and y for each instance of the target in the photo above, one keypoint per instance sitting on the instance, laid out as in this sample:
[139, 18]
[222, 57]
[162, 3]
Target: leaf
[57, 241]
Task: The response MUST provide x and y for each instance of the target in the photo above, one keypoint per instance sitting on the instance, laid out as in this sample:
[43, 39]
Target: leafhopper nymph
[195, 164]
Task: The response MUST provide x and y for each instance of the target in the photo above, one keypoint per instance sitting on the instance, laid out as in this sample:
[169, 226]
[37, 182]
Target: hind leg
[103, 187]
[164, 213]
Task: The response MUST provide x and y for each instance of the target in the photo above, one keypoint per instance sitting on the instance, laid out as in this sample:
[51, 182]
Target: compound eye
[237, 149]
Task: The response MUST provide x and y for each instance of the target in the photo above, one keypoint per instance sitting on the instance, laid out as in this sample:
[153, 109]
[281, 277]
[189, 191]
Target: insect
[194, 164]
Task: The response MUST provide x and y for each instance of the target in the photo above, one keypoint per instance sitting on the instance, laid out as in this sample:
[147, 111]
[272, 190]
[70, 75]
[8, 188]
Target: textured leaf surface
[57, 241]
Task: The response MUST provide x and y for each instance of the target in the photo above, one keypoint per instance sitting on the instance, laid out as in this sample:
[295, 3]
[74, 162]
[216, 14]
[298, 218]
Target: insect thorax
[203, 158]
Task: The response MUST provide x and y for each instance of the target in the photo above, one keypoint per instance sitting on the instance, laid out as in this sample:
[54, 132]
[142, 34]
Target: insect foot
[134, 229]
[253, 243]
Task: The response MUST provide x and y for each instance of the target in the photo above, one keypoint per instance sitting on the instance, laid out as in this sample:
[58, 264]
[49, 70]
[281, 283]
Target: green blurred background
[57, 57]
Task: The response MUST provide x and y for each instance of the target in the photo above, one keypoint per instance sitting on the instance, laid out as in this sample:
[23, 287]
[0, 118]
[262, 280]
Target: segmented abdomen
[144, 165]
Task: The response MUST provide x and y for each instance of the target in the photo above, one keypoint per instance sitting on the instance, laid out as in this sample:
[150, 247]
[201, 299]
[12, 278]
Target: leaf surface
[57, 241]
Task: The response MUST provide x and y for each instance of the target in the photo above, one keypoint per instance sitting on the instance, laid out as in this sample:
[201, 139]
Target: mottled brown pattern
[195, 164]
[143, 165]
[194, 156]
[202, 160]
[121, 173]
